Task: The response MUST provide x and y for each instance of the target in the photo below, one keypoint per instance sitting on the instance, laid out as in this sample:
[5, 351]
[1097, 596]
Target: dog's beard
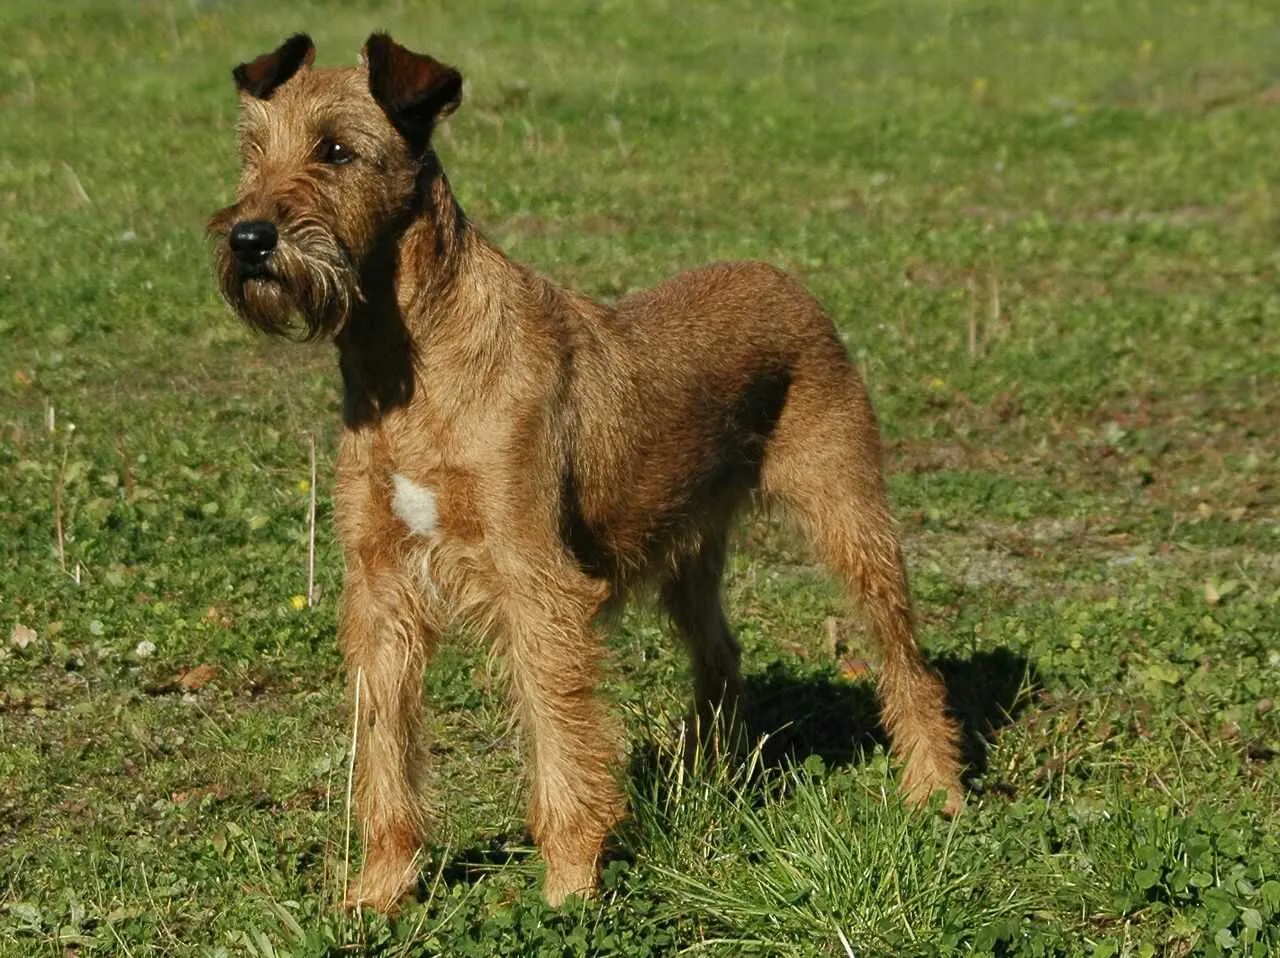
[306, 288]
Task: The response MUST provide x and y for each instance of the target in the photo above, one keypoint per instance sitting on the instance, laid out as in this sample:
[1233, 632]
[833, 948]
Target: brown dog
[515, 455]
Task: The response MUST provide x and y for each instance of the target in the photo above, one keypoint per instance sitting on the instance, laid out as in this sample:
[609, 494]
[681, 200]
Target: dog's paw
[920, 793]
[565, 881]
[382, 886]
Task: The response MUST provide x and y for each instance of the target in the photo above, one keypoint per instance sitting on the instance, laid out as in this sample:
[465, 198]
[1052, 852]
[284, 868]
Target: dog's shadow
[839, 721]
[799, 716]
[468, 865]
[818, 714]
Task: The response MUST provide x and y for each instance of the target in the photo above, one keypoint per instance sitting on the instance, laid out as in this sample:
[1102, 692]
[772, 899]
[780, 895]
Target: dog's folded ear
[413, 89]
[261, 77]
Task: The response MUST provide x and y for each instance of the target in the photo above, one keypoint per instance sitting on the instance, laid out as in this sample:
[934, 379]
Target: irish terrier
[515, 455]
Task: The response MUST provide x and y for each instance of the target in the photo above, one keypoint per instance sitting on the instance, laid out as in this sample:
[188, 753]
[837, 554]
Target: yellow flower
[299, 602]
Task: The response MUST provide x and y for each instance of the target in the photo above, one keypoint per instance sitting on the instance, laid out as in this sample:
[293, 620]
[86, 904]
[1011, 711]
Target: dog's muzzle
[253, 242]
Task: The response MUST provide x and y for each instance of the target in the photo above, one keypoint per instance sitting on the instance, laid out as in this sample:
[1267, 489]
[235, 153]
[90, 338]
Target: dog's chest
[416, 504]
[430, 479]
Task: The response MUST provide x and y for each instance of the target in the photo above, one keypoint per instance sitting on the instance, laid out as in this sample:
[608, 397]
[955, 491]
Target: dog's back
[678, 393]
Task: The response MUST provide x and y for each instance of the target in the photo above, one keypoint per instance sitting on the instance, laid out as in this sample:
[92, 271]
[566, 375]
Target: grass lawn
[1048, 232]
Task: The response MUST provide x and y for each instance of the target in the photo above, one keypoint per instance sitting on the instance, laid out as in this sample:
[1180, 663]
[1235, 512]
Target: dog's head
[331, 168]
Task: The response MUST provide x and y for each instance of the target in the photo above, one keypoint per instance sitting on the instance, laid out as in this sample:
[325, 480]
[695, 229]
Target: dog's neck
[433, 243]
[415, 291]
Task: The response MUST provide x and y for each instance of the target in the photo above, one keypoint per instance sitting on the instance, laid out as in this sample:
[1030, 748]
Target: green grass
[1048, 231]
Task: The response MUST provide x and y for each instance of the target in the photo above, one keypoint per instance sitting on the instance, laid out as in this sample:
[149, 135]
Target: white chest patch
[415, 505]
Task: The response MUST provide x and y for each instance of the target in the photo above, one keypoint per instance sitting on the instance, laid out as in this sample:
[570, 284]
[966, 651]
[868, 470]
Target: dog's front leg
[386, 639]
[552, 651]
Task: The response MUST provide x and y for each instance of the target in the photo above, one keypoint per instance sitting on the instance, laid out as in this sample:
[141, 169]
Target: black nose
[253, 241]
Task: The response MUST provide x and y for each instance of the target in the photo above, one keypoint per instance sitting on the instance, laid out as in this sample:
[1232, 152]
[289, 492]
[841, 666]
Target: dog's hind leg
[691, 598]
[823, 464]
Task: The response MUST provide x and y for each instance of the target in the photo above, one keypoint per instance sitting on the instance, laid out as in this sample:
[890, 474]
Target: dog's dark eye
[334, 153]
